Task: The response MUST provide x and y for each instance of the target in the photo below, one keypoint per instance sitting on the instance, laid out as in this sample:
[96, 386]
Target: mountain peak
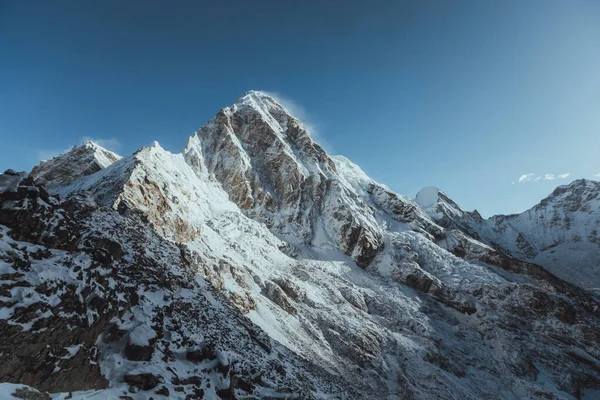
[572, 196]
[89, 144]
[441, 208]
[79, 161]
[582, 182]
[257, 94]
[267, 106]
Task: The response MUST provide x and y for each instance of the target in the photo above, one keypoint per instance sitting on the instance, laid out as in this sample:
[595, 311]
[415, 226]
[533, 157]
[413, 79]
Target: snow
[8, 389]
[103, 156]
[141, 335]
[427, 197]
[72, 351]
[73, 165]
[560, 233]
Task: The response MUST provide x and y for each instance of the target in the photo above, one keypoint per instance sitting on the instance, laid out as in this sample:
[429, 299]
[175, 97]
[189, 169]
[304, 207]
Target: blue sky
[469, 96]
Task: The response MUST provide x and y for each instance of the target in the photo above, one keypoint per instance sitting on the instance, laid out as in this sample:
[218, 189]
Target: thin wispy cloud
[531, 177]
[525, 178]
[111, 144]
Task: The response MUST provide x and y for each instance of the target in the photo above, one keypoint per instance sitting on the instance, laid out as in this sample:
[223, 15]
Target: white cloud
[111, 144]
[597, 175]
[544, 177]
[525, 178]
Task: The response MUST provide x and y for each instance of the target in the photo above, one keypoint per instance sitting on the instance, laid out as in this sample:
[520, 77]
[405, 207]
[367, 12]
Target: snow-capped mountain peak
[271, 168]
[561, 233]
[79, 161]
[439, 206]
[577, 194]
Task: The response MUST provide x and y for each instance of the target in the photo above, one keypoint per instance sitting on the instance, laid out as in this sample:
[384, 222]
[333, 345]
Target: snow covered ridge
[255, 265]
[80, 161]
[561, 233]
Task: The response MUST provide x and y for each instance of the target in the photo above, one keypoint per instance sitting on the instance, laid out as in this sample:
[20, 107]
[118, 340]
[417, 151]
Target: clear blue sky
[466, 96]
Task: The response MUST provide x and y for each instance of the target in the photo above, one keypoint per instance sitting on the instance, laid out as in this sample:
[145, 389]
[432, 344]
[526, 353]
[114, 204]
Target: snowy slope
[255, 265]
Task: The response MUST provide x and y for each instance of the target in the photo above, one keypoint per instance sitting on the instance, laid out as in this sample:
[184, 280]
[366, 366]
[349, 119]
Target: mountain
[270, 167]
[255, 265]
[561, 233]
[78, 162]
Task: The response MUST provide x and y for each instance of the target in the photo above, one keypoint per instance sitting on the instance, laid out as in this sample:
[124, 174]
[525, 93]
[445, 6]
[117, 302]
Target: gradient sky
[468, 96]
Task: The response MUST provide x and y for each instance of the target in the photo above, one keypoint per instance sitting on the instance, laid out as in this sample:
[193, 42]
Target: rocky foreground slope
[255, 265]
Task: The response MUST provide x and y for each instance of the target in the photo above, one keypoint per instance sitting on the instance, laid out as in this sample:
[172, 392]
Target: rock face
[272, 169]
[254, 265]
[80, 161]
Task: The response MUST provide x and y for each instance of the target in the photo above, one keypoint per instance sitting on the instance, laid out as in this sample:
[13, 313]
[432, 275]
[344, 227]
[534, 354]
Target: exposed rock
[135, 352]
[163, 391]
[279, 297]
[142, 381]
[291, 289]
[206, 352]
[78, 162]
[354, 297]
[558, 234]
[27, 393]
[272, 169]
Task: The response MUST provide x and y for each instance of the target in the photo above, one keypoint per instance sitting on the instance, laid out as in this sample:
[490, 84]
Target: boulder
[206, 352]
[136, 352]
[146, 381]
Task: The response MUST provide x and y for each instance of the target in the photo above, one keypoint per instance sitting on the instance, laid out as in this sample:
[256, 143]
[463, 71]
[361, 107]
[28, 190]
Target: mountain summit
[270, 167]
[255, 265]
[79, 161]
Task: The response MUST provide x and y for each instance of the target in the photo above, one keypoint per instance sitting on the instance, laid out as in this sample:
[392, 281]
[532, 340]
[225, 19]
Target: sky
[494, 102]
